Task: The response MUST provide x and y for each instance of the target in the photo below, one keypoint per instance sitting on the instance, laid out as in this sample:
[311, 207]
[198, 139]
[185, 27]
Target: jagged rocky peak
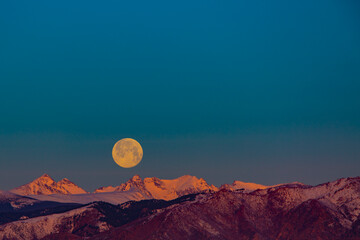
[44, 177]
[45, 185]
[162, 188]
[65, 181]
[152, 179]
[136, 178]
[286, 211]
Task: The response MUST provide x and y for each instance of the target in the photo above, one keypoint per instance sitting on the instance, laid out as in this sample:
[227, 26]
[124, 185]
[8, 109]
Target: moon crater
[127, 153]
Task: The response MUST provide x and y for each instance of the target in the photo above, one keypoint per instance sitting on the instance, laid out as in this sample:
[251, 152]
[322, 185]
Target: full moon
[127, 153]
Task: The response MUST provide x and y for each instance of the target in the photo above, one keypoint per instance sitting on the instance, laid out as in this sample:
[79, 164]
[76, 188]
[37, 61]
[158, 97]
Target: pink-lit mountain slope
[329, 211]
[46, 189]
[248, 187]
[160, 188]
[10, 201]
[45, 185]
[134, 189]
[293, 212]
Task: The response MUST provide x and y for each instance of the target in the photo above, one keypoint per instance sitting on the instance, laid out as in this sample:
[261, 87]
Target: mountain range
[183, 208]
[149, 188]
[45, 185]
[45, 188]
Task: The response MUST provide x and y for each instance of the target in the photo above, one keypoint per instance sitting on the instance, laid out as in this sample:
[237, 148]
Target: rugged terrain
[286, 211]
[162, 189]
[45, 185]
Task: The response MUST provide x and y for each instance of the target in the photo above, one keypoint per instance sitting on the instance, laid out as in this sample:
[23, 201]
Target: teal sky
[257, 91]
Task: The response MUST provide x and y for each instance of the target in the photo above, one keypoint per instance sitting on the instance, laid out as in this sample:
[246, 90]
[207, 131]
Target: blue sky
[257, 91]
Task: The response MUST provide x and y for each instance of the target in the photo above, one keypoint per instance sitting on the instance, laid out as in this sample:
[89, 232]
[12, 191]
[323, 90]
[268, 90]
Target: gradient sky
[259, 91]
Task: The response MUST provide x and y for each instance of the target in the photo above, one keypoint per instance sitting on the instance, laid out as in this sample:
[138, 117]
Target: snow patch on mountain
[281, 211]
[110, 197]
[39, 227]
[249, 187]
[15, 201]
[162, 188]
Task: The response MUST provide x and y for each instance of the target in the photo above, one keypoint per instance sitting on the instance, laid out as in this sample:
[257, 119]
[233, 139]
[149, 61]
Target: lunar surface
[127, 153]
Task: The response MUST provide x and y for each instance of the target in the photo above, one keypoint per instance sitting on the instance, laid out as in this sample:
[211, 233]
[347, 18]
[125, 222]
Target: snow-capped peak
[162, 188]
[248, 186]
[66, 181]
[45, 185]
[44, 178]
[136, 178]
[45, 175]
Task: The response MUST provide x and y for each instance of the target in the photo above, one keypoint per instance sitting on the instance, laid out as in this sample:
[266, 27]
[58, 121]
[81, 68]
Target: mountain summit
[45, 185]
[288, 211]
[162, 188]
[249, 187]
